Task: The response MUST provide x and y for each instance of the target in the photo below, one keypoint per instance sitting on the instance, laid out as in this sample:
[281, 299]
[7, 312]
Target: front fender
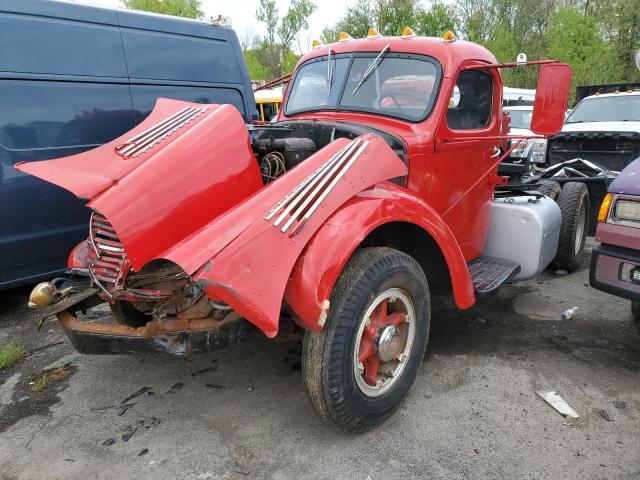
[316, 271]
[259, 242]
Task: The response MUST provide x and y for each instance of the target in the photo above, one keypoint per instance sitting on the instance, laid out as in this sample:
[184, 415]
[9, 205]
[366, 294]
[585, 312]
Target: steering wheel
[392, 96]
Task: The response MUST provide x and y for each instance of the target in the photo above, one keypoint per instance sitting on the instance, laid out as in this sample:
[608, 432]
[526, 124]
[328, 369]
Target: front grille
[110, 264]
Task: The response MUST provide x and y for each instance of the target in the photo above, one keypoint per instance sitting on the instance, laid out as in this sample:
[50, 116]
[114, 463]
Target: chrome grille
[110, 265]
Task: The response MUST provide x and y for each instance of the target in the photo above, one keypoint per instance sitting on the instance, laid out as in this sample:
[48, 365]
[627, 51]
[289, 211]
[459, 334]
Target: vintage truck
[371, 191]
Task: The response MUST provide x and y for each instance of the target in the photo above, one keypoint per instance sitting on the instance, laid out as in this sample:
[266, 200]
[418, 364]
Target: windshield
[520, 118]
[400, 86]
[607, 109]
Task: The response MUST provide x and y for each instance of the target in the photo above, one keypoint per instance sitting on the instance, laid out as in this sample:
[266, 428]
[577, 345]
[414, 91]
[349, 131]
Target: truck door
[461, 190]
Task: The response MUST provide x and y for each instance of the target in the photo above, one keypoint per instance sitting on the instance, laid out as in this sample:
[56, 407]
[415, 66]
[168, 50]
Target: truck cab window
[471, 102]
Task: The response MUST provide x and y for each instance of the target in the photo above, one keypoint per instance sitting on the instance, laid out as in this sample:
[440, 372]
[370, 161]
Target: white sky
[242, 14]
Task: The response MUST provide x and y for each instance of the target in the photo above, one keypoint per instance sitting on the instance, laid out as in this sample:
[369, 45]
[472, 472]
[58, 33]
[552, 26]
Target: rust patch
[153, 328]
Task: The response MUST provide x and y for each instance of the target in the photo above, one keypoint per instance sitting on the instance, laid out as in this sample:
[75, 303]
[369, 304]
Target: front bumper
[173, 337]
[609, 271]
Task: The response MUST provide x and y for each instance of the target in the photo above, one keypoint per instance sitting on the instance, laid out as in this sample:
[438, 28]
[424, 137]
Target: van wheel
[359, 368]
[635, 311]
[549, 188]
[125, 313]
[574, 205]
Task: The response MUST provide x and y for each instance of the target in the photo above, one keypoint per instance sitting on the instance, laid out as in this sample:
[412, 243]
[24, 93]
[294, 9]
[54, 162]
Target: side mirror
[552, 94]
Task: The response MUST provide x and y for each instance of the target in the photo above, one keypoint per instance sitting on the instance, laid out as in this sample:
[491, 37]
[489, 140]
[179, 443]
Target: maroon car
[615, 263]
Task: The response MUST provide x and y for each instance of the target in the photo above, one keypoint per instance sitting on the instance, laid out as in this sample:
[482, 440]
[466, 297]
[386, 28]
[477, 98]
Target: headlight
[539, 151]
[521, 150]
[627, 210]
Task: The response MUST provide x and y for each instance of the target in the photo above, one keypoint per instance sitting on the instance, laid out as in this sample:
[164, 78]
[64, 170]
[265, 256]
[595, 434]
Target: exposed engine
[277, 155]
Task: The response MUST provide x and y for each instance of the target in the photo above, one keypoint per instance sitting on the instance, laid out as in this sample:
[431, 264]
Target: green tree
[357, 20]
[281, 32]
[393, 15]
[178, 8]
[574, 38]
[257, 71]
[435, 21]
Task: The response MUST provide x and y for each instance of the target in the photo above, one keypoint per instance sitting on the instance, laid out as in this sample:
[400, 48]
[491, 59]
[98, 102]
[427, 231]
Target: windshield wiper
[329, 72]
[370, 69]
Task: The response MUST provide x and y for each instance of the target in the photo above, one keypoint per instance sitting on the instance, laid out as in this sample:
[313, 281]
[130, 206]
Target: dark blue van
[73, 77]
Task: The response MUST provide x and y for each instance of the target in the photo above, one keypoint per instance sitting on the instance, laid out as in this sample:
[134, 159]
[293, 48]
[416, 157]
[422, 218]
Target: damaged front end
[157, 309]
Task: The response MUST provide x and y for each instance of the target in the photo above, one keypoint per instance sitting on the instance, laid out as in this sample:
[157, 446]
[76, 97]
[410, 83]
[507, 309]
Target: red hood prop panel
[177, 171]
[90, 173]
[255, 245]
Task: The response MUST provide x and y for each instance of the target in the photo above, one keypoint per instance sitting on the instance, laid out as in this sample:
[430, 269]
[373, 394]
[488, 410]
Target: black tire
[635, 312]
[328, 356]
[549, 188]
[125, 313]
[573, 197]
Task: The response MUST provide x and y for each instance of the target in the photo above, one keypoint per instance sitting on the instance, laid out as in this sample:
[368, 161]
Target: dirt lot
[242, 412]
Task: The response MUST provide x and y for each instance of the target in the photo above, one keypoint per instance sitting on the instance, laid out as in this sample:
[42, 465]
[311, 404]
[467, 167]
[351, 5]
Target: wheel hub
[383, 343]
[388, 343]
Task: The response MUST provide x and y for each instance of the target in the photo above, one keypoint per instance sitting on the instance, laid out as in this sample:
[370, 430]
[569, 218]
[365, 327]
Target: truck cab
[376, 187]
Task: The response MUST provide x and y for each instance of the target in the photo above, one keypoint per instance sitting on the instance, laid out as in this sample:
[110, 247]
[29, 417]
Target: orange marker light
[344, 36]
[408, 32]
[373, 33]
[316, 43]
[604, 208]
[448, 36]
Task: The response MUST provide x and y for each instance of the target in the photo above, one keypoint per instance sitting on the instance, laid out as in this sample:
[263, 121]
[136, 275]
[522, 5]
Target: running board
[490, 273]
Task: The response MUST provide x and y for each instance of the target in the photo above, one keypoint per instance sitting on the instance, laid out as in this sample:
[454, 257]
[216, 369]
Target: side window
[471, 103]
[41, 120]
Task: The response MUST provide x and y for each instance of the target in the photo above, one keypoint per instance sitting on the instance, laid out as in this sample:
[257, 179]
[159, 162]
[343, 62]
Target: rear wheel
[125, 313]
[549, 188]
[359, 368]
[574, 205]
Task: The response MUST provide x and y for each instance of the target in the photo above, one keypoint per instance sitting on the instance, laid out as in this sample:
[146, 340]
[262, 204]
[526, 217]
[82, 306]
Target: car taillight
[627, 210]
[603, 214]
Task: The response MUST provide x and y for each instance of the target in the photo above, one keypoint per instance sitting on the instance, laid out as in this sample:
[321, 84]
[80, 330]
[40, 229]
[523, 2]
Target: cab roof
[449, 54]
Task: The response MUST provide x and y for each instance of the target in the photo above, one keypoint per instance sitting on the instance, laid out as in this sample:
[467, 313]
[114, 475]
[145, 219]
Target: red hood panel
[89, 173]
[155, 194]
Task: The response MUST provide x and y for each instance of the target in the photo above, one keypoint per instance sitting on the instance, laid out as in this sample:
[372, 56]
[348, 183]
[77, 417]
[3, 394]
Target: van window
[163, 56]
[145, 96]
[41, 120]
[471, 102]
[32, 44]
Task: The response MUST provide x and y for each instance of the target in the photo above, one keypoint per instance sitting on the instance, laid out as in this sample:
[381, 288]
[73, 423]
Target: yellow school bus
[268, 103]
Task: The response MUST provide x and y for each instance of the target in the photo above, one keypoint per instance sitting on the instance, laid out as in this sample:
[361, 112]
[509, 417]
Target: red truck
[375, 188]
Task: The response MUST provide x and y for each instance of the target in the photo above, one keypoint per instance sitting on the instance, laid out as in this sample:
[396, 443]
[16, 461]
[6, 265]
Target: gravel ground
[242, 412]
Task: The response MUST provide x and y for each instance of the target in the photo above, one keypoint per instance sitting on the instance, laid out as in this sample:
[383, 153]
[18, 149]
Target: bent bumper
[173, 337]
[610, 271]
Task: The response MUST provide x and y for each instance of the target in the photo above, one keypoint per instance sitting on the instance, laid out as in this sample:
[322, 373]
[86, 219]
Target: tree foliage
[275, 50]
[178, 8]
[598, 38]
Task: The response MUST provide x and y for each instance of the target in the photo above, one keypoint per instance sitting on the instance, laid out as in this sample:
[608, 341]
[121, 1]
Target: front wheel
[635, 312]
[359, 368]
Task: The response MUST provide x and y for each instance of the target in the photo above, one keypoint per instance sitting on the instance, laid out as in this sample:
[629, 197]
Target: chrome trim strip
[330, 166]
[285, 200]
[337, 168]
[159, 134]
[147, 139]
[326, 192]
[156, 128]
